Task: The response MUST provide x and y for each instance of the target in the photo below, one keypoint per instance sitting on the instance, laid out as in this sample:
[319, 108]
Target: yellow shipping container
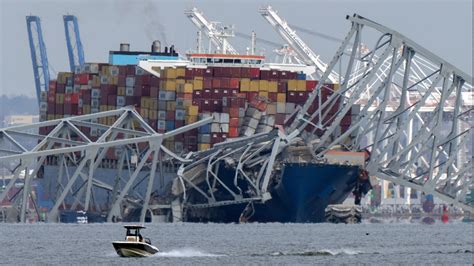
[111, 107]
[170, 85]
[153, 114]
[188, 88]
[59, 98]
[96, 81]
[204, 146]
[263, 94]
[170, 73]
[189, 119]
[245, 85]
[180, 72]
[199, 78]
[197, 83]
[281, 97]
[254, 85]
[192, 110]
[58, 116]
[120, 91]
[153, 104]
[187, 103]
[337, 86]
[272, 86]
[301, 85]
[86, 109]
[145, 102]
[103, 108]
[180, 81]
[144, 112]
[113, 80]
[102, 120]
[110, 121]
[50, 117]
[292, 85]
[263, 85]
[105, 70]
[171, 106]
[180, 88]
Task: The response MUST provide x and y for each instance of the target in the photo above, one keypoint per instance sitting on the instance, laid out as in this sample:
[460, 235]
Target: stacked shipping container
[242, 100]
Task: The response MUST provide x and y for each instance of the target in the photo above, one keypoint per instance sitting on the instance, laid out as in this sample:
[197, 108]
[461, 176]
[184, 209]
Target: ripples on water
[290, 244]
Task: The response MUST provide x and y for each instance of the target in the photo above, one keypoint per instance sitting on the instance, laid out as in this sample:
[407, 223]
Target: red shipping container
[234, 112]
[51, 110]
[311, 85]
[216, 94]
[216, 106]
[141, 90]
[208, 72]
[217, 72]
[132, 100]
[51, 96]
[112, 100]
[189, 73]
[234, 121]
[205, 105]
[274, 74]
[272, 96]
[234, 83]
[59, 109]
[292, 97]
[234, 92]
[206, 94]
[279, 119]
[52, 85]
[233, 132]
[251, 96]
[154, 92]
[291, 75]
[122, 70]
[245, 72]
[199, 72]
[283, 75]
[121, 81]
[235, 72]
[237, 102]
[145, 79]
[216, 83]
[178, 124]
[254, 73]
[207, 83]
[187, 96]
[154, 81]
[60, 88]
[197, 95]
[131, 70]
[282, 86]
[81, 79]
[170, 115]
[225, 83]
[225, 92]
[71, 98]
[265, 74]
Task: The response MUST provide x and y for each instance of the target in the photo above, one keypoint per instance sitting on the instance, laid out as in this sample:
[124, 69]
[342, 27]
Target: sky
[443, 26]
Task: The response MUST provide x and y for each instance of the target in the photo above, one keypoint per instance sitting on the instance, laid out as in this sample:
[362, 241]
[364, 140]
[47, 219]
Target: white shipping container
[130, 81]
[224, 118]
[216, 117]
[290, 108]
[224, 128]
[95, 93]
[129, 91]
[215, 128]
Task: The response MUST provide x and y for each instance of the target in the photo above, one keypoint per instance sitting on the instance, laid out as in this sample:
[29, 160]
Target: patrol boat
[135, 245]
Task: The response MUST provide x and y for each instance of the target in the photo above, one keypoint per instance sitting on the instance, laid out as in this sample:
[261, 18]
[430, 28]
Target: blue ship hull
[301, 196]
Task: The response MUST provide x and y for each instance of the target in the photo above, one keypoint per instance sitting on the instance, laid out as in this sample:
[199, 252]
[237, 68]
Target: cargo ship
[243, 94]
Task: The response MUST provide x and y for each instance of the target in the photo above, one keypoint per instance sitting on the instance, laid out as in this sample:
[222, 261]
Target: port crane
[296, 43]
[73, 42]
[39, 56]
[217, 34]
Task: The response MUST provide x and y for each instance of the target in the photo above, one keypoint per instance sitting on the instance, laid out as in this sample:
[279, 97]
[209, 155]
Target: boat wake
[186, 252]
[322, 252]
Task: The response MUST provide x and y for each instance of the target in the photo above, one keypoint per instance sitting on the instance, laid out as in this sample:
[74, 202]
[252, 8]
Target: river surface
[243, 244]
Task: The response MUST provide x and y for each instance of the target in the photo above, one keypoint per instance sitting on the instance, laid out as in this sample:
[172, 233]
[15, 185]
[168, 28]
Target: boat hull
[134, 249]
[302, 195]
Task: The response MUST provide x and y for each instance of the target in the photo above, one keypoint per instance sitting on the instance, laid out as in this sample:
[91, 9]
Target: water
[218, 244]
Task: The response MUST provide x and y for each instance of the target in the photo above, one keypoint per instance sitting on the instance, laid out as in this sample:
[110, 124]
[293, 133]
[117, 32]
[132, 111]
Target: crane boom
[73, 42]
[298, 45]
[39, 57]
[216, 36]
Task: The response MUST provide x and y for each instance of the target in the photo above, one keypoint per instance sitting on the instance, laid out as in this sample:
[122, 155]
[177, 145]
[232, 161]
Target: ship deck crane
[216, 36]
[73, 42]
[39, 57]
[295, 42]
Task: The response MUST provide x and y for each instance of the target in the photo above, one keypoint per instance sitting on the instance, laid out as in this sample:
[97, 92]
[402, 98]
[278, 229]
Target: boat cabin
[133, 234]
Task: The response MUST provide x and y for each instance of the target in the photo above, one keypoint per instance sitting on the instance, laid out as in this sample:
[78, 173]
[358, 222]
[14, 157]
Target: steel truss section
[78, 158]
[252, 160]
[408, 109]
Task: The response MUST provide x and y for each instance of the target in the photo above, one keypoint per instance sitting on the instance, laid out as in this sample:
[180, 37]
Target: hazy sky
[444, 27]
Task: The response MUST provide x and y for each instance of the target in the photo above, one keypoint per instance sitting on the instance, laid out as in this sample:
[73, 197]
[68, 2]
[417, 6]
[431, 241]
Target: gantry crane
[296, 43]
[217, 36]
[39, 57]
[73, 42]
